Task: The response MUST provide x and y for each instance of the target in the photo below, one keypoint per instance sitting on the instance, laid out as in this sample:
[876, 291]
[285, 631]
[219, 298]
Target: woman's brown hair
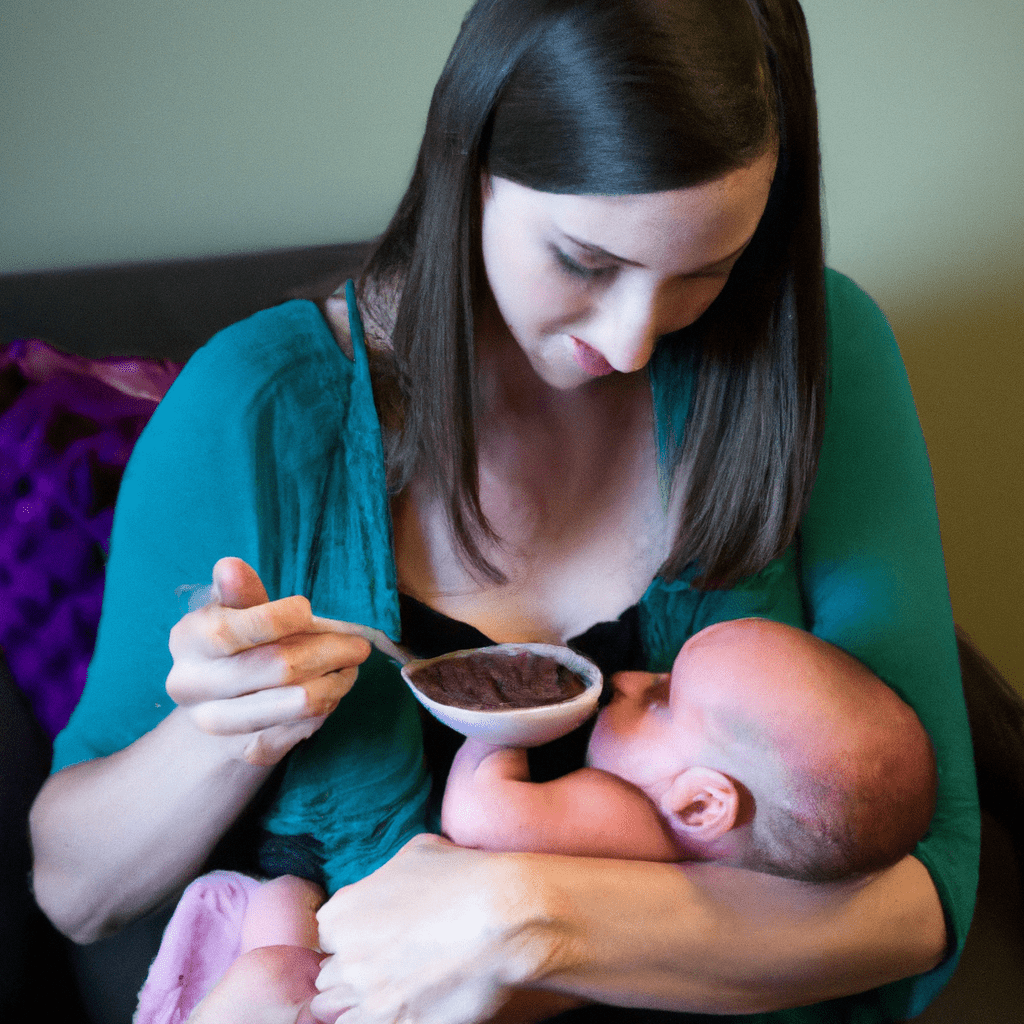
[637, 96]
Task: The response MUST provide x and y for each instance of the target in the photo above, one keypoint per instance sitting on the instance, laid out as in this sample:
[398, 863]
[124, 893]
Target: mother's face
[587, 284]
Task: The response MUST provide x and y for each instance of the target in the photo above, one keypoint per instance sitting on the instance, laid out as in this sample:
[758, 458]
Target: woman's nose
[631, 332]
[633, 319]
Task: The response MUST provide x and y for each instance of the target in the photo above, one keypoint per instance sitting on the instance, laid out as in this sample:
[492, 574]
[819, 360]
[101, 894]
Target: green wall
[141, 129]
[923, 153]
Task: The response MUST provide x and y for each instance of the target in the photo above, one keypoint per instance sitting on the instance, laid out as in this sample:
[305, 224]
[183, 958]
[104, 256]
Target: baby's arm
[491, 804]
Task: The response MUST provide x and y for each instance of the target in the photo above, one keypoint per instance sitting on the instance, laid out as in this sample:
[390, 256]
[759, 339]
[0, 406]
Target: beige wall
[138, 129]
[923, 160]
[965, 356]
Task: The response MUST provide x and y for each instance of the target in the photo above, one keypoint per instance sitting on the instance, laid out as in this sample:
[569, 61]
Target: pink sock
[200, 942]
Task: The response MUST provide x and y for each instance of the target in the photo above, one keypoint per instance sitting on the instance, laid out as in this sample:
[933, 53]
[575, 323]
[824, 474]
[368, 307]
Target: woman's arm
[491, 804]
[697, 937]
[714, 939]
[873, 575]
[166, 746]
[114, 836]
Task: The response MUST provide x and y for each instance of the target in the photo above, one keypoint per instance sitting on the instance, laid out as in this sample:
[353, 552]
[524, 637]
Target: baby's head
[770, 749]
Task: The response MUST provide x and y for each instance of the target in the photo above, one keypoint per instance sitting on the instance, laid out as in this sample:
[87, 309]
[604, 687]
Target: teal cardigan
[268, 447]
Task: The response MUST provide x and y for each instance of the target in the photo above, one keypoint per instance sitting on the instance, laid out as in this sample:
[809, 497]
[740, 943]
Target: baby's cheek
[604, 743]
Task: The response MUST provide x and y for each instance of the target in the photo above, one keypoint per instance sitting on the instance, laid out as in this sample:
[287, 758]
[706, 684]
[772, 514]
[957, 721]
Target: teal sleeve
[867, 574]
[268, 448]
[267, 428]
[874, 580]
[186, 500]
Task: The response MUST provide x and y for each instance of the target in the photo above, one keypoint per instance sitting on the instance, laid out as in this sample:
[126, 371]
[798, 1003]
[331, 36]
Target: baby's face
[739, 700]
[653, 728]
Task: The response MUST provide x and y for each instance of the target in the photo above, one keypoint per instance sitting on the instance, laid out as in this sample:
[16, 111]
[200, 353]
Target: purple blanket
[67, 427]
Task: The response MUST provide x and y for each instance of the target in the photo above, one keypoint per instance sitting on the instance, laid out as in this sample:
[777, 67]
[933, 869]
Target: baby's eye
[658, 694]
[576, 269]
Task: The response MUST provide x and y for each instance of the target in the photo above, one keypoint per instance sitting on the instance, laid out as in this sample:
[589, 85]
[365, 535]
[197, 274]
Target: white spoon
[506, 727]
[377, 637]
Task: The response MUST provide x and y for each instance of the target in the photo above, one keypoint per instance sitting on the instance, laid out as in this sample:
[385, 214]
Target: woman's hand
[256, 669]
[114, 836]
[432, 937]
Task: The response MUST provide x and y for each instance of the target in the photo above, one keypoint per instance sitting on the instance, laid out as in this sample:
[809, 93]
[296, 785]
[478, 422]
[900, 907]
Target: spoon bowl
[504, 727]
[518, 726]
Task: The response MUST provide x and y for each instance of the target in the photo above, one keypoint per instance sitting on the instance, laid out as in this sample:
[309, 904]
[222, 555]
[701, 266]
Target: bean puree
[485, 681]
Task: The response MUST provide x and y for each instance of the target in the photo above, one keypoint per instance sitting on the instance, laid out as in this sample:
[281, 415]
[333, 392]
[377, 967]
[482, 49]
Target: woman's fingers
[261, 670]
[281, 705]
[217, 631]
[287, 661]
[250, 713]
[324, 693]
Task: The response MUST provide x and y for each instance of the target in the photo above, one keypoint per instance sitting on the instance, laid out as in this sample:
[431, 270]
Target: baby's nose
[633, 685]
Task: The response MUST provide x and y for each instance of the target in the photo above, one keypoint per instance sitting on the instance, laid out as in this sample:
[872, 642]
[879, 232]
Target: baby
[823, 776]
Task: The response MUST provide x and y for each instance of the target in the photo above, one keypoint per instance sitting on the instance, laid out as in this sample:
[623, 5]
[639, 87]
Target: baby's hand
[255, 670]
[472, 753]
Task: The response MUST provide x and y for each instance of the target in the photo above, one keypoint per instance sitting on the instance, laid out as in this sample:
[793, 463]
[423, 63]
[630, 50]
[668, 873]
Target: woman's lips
[589, 360]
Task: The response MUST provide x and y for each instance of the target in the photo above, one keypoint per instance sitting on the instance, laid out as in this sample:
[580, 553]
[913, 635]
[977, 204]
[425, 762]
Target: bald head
[840, 770]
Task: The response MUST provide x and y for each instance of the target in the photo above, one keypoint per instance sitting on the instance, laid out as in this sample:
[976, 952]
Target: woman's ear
[701, 803]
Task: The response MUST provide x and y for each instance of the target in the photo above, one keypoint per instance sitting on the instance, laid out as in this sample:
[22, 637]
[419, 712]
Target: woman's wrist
[532, 918]
[559, 937]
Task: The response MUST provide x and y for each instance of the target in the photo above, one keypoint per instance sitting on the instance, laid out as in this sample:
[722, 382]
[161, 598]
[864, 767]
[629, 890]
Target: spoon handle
[377, 637]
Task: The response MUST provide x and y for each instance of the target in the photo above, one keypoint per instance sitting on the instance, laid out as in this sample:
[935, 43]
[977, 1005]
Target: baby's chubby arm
[491, 804]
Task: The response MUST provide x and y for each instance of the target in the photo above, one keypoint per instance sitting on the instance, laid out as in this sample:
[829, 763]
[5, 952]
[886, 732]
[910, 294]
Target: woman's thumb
[236, 584]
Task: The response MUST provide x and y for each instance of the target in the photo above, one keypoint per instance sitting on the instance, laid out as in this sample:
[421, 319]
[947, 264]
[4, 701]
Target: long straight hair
[632, 97]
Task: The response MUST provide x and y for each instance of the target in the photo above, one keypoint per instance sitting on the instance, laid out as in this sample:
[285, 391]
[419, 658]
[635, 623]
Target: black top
[613, 646]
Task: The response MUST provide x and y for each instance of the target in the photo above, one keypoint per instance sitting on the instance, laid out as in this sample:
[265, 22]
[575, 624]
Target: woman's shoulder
[291, 339]
[277, 373]
[851, 312]
[371, 313]
[865, 361]
[339, 319]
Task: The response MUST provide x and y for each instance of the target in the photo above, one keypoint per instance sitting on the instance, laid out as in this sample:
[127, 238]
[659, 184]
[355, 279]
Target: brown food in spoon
[486, 681]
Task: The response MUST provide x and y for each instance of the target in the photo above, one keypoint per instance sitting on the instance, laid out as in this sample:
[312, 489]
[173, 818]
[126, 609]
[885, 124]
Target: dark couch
[161, 311]
[166, 311]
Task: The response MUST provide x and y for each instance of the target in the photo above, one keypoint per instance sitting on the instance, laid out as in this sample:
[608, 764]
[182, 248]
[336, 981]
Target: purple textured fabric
[67, 427]
[201, 941]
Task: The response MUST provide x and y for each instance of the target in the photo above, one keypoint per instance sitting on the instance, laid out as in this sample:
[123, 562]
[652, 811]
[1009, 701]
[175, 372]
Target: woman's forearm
[714, 939]
[114, 837]
[698, 937]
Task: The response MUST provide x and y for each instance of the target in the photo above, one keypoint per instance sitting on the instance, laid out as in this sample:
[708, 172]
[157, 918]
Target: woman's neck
[568, 481]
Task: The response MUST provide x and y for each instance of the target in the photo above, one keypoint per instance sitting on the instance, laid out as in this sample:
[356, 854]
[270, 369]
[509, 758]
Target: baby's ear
[701, 803]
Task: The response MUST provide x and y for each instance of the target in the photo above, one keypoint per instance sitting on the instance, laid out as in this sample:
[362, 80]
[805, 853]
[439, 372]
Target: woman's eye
[577, 269]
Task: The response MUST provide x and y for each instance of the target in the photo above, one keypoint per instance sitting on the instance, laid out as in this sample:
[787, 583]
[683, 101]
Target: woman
[615, 386]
